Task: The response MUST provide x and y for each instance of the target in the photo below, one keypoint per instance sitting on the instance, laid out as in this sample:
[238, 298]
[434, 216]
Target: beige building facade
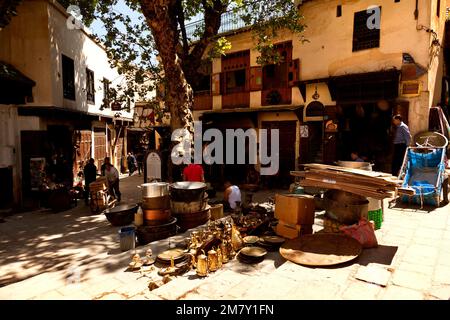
[345, 78]
[68, 108]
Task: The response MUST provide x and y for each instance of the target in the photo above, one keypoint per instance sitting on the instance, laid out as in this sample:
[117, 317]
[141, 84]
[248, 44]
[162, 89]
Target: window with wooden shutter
[255, 78]
[294, 72]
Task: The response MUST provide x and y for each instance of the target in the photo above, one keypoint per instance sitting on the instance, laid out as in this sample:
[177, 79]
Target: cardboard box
[292, 231]
[295, 208]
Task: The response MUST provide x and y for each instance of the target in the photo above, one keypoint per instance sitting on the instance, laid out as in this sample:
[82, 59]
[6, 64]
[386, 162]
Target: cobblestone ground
[75, 255]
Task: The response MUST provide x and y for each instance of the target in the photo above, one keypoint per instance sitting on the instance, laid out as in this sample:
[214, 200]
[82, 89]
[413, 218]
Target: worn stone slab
[361, 291]
[412, 280]
[394, 292]
[375, 274]
[419, 268]
[441, 275]
[441, 292]
[32, 287]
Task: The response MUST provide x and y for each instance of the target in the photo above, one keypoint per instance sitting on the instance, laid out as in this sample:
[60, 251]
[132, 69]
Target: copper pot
[157, 216]
[152, 203]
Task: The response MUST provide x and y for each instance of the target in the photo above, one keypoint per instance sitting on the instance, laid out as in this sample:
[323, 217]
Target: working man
[90, 175]
[402, 140]
[112, 175]
[231, 196]
[103, 167]
[355, 157]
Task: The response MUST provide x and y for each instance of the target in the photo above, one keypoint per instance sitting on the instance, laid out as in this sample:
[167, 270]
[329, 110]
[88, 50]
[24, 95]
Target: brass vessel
[219, 258]
[202, 265]
[213, 263]
[224, 251]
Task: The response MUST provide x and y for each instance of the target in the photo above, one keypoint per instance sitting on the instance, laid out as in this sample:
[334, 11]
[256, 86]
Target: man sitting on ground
[231, 196]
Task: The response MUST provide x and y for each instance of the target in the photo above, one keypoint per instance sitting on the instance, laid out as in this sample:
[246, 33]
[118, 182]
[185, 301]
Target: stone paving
[76, 255]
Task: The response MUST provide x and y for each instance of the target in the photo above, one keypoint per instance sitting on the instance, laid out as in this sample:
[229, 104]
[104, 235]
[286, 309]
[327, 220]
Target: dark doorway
[287, 133]
[6, 188]
[366, 129]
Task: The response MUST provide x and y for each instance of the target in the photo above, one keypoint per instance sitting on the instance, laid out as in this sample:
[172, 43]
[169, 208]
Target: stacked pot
[155, 203]
[158, 222]
[189, 204]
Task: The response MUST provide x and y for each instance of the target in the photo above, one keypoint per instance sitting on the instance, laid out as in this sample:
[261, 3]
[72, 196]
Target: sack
[363, 232]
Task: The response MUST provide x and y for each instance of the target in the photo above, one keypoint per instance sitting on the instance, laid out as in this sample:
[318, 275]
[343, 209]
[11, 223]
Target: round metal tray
[321, 249]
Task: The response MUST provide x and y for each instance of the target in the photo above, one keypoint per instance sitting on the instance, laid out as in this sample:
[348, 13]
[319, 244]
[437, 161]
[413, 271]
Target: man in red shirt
[194, 173]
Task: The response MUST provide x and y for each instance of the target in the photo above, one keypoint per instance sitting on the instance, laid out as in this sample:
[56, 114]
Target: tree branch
[181, 22]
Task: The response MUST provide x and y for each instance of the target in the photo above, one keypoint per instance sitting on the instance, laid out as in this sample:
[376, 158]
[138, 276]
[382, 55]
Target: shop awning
[244, 118]
[15, 87]
[360, 87]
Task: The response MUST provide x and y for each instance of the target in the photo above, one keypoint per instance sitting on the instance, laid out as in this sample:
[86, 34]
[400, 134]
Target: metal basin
[345, 207]
[121, 215]
[186, 191]
[154, 189]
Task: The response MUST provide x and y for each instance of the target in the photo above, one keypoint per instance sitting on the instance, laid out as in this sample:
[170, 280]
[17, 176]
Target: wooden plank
[371, 182]
[362, 192]
[343, 169]
[349, 185]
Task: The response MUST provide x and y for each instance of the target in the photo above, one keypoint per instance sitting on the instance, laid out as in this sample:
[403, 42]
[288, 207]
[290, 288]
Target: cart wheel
[438, 199]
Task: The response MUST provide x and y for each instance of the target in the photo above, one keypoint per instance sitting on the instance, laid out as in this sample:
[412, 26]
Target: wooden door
[83, 146]
[99, 147]
[287, 135]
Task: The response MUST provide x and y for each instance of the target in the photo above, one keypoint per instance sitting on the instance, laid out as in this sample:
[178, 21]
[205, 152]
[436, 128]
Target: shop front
[358, 121]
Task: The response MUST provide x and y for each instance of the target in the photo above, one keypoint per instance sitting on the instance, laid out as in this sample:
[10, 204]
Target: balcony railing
[230, 21]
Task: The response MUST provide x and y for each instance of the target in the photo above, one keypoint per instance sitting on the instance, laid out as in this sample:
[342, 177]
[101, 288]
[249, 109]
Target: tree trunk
[162, 20]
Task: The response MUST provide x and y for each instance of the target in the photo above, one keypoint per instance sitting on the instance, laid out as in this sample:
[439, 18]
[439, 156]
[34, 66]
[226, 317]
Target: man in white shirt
[112, 175]
[231, 195]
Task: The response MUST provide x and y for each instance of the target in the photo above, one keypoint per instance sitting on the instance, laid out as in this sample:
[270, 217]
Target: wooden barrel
[99, 201]
[216, 211]
[180, 207]
[98, 185]
[191, 220]
[147, 234]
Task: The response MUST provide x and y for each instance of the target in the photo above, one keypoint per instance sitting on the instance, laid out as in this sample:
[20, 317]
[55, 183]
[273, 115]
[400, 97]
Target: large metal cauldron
[154, 189]
[345, 207]
[187, 191]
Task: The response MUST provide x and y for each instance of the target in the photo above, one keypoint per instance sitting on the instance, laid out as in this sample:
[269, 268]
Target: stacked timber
[372, 184]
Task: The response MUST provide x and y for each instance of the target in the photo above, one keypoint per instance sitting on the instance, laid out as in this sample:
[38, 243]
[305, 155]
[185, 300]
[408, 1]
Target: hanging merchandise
[360, 111]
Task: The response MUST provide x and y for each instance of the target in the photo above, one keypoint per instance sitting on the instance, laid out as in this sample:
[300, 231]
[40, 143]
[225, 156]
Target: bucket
[216, 211]
[127, 238]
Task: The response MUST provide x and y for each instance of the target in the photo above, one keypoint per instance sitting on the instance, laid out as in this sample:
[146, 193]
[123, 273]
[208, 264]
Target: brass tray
[254, 252]
[321, 249]
[273, 240]
[250, 239]
[172, 253]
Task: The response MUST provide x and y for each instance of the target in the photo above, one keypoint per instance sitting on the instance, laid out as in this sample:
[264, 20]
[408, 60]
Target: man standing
[140, 162]
[402, 140]
[103, 167]
[90, 175]
[131, 161]
[194, 173]
[112, 175]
